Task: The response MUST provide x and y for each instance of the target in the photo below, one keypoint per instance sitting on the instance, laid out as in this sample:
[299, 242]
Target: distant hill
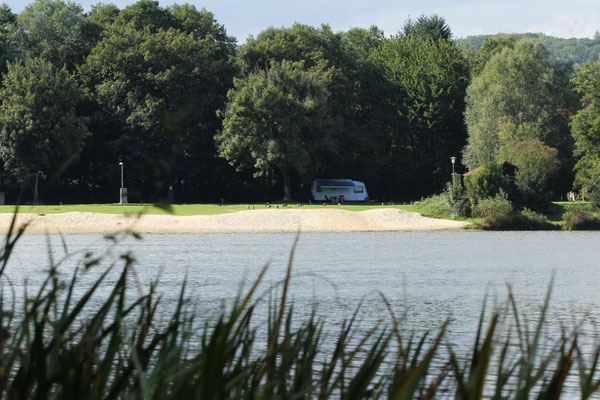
[572, 51]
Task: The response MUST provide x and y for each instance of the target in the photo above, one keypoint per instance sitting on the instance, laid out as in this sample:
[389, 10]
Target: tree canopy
[158, 94]
[41, 126]
[586, 130]
[54, 30]
[427, 80]
[277, 119]
[170, 93]
[517, 86]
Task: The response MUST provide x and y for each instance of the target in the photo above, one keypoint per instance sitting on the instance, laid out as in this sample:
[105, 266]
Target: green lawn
[186, 209]
[431, 207]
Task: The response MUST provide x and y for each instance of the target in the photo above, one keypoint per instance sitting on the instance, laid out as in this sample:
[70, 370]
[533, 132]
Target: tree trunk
[287, 191]
[35, 189]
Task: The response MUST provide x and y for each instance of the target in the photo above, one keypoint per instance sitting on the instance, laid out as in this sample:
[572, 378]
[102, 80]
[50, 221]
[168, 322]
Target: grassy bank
[434, 207]
[425, 208]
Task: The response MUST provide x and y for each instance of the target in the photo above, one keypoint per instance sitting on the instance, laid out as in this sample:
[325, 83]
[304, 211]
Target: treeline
[167, 92]
[574, 51]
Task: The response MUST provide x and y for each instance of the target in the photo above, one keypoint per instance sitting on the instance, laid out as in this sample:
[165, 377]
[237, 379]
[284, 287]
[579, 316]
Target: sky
[560, 18]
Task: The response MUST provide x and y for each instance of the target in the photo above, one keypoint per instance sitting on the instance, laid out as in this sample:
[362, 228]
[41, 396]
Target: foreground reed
[62, 346]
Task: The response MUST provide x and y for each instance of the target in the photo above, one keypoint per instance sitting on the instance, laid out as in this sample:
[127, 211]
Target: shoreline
[249, 221]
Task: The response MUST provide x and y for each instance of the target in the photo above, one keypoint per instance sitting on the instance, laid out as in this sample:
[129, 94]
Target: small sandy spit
[272, 220]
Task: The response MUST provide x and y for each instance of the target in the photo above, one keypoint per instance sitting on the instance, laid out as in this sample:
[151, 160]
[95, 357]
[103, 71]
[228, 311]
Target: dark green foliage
[101, 17]
[580, 220]
[536, 164]
[490, 47]
[156, 96]
[54, 30]
[424, 103]
[585, 128]
[518, 86]
[6, 15]
[355, 90]
[456, 197]
[487, 181]
[496, 207]
[498, 215]
[433, 27]
[278, 120]
[41, 124]
[8, 49]
[156, 81]
[147, 14]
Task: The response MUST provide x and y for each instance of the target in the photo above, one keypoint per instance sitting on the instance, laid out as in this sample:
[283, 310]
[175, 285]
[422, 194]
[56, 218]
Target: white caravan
[338, 190]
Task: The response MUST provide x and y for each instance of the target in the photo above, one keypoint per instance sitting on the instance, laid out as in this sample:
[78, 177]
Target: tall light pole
[121, 164]
[123, 191]
[453, 160]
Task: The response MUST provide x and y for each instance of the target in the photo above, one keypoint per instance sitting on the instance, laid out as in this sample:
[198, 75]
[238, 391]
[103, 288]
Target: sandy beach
[272, 220]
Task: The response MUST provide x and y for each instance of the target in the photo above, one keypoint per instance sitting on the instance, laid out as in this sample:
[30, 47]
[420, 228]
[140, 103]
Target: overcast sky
[562, 18]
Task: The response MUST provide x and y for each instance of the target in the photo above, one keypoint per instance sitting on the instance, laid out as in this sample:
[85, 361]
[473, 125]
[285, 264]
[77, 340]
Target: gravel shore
[272, 220]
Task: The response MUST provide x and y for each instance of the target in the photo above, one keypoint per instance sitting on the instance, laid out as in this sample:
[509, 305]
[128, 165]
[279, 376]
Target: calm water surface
[426, 276]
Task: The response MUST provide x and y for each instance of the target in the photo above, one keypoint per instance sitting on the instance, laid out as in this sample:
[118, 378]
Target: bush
[456, 197]
[494, 207]
[536, 163]
[486, 182]
[580, 220]
[532, 221]
[498, 214]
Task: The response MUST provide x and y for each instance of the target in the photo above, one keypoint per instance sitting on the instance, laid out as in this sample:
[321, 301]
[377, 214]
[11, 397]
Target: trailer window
[359, 189]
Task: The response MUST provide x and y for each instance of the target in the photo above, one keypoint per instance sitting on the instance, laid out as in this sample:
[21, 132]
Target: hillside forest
[169, 93]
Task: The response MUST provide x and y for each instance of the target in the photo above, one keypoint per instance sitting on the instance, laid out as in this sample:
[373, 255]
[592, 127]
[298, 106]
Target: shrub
[536, 163]
[457, 198]
[486, 182]
[494, 207]
[531, 221]
[498, 214]
[580, 220]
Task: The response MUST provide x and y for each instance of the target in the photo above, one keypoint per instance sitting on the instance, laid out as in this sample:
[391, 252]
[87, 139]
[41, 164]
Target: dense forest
[170, 94]
[574, 51]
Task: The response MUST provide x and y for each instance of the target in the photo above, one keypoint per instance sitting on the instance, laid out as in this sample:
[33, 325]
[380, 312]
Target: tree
[536, 163]
[517, 86]
[103, 15]
[6, 15]
[8, 52]
[433, 27]
[585, 129]
[100, 18]
[54, 30]
[424, 101]
[354, 81]
[40, 125]
[278, 119]
[157, 94]
[491, 46]
[147, 14]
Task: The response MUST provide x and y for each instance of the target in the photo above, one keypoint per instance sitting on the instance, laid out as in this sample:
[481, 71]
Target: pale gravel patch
[268, 220]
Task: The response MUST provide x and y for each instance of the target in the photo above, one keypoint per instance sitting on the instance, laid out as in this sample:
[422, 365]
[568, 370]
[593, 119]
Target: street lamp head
[453, 159]
[120, 162]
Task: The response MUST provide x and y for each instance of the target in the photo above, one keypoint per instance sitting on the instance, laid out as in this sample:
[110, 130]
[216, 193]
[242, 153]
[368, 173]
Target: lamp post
[453, 160]
[121, 164]
[123, 190]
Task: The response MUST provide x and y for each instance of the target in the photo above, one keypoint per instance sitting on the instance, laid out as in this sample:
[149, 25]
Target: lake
[427, 277]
